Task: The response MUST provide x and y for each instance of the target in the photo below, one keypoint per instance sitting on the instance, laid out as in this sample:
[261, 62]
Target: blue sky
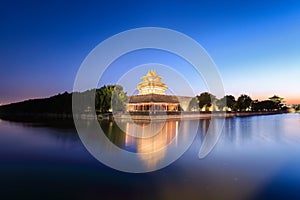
[255, 44]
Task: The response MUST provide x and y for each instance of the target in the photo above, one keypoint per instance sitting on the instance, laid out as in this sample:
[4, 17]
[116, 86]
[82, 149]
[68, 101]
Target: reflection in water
[151, 149]
[204, 124]
[167, 132]
[260, 131]
[256, 158]
[240, 134]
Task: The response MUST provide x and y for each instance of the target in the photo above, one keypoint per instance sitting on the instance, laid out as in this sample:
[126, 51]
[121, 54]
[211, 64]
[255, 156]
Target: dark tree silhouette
[243, 102]
[266, 105]
[62, 103]
[227, 101]
[206, 99]
[58, 104]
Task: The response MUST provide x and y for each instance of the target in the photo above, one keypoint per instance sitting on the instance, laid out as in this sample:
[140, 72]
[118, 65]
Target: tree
[119, 99]
[227, 101]
[206, 100]
[266, 105]
[103, 99]
[256, 106]
[58, 104]
[296, 107]
[243, 102]
[111, 97]
[193, 105]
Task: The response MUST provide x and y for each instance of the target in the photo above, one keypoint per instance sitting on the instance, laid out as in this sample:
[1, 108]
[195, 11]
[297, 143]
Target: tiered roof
[151, 84]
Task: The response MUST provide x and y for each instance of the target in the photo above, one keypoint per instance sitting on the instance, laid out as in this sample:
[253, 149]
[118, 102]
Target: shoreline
[194, 115]
[36, 117]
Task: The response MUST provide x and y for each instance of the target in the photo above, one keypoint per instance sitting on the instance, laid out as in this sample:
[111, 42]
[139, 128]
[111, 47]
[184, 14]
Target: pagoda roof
[154, 98]
[151, 79]
[151, 73]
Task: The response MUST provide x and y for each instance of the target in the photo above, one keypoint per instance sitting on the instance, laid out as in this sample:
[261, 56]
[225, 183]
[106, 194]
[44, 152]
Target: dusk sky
[255, 44]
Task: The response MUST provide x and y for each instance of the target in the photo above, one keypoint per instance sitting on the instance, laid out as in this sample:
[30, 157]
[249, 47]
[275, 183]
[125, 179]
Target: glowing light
[151, 84]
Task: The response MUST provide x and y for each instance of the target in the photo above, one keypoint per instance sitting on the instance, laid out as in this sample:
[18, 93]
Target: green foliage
[119, 99]
[62, 103]
[206, 99]
[111, 97]
[103, 98]
[243, 102]
[227, 101]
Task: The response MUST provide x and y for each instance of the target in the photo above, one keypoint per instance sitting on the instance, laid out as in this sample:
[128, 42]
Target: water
[256, 158]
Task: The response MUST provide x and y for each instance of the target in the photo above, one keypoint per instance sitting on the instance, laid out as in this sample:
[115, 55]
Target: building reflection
[152, 149]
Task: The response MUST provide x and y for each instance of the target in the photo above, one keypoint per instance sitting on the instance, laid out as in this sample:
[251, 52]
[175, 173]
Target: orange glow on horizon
[288, 100]
[293, 101]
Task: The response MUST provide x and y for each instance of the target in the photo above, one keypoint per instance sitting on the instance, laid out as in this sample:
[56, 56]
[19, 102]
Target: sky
[254, 44]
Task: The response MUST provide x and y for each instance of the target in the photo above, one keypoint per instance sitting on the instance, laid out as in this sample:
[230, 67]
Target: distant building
[152, 96]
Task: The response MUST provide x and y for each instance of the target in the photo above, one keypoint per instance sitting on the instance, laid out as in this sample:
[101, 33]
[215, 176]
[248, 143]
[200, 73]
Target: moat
[254, 158]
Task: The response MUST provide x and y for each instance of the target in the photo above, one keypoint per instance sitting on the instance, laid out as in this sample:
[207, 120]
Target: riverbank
[143, 116]
[190, 115]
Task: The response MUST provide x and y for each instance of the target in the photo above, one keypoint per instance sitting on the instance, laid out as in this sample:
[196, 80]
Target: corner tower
[151, 84]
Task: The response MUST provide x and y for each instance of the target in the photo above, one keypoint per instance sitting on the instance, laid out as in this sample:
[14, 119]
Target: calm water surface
[255, 158]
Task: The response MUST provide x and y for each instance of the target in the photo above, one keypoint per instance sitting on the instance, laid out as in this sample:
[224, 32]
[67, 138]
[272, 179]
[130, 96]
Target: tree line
[103, 98]
[208, 102]
[58, 104]
[110, 98]
[296, 107]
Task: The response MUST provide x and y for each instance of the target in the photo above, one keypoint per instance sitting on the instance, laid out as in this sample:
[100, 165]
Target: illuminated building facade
[152, 96]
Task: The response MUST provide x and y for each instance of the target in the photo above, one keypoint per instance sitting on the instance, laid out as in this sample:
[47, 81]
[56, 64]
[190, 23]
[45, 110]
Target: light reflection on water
[256, 158]
[152, 149]
[165, 133]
